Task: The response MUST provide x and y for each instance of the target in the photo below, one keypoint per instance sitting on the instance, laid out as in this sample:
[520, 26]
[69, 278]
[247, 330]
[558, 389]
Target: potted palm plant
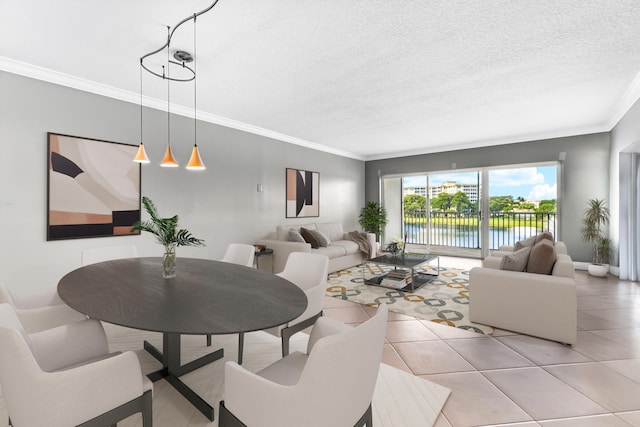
[167, 234]
[373, 217]
[596, 217]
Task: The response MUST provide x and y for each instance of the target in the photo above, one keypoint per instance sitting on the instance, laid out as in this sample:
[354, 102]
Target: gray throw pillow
[323, 239]
[524, 243]
[516, 261]
[542, 258]
[544, 235]
[295, 236]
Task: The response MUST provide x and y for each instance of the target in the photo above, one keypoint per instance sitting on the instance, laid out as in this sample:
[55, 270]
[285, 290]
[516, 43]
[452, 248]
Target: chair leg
[208, 340]
[366, 419]
[289, 331]
[240, 347]
[147, 409]
[226, 417]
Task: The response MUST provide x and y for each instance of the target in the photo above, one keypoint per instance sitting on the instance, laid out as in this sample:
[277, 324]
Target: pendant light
[141, 155]
[169, 161]
[195, 162]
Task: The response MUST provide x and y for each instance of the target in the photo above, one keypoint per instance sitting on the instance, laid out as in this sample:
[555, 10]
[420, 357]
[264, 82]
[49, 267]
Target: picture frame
[302, 193]
[93, 188]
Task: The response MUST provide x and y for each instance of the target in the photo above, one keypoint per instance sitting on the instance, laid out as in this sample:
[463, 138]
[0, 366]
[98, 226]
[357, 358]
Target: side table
[265, 251]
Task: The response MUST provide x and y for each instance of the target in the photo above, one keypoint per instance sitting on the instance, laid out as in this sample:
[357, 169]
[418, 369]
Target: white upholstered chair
[241, 254]
[38, 311]
[309, 272]
[238, 253]
[65, 376]
[107, 253]
[331, 385]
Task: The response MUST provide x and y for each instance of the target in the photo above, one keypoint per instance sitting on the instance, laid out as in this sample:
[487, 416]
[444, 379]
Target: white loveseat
[540, 305]
[342, 251]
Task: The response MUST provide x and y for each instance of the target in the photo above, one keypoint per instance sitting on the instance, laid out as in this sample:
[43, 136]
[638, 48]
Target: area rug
[444, 299]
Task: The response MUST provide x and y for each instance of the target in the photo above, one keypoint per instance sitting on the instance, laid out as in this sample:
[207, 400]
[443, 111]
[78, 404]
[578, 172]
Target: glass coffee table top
[408, 272]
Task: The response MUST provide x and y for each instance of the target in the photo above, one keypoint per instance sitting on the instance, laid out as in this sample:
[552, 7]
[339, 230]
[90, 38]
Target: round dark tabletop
[206, 297]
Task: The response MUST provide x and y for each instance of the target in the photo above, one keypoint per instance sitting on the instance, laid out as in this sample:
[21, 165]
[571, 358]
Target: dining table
[205, 298]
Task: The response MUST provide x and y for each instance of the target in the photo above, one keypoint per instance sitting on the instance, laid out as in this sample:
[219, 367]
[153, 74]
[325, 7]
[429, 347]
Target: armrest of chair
[89, 390]
[37, 300]
[282, 249]
[324, 327]
[39, 319]
[68, 345]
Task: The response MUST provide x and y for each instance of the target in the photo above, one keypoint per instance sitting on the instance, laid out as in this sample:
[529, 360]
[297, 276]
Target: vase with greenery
[167, 234]
[596, 217]
[373, 217]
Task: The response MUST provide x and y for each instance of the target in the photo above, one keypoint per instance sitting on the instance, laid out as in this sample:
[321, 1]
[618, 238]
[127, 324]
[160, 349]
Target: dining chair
[41, 310]
[331, 385]
[65, 376]
[309, 272]
[107, 253]
[241, 254]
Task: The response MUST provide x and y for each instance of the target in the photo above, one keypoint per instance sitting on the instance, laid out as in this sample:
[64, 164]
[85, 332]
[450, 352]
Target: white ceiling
[368, 79]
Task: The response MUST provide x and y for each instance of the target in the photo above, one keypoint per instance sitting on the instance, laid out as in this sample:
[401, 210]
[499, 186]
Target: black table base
[171, 369]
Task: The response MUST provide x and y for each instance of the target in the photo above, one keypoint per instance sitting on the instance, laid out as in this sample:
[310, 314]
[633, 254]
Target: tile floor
[517, 380]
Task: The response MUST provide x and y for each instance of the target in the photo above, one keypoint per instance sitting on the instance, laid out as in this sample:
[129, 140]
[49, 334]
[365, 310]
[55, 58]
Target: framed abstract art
[303, 193]
[93, 188]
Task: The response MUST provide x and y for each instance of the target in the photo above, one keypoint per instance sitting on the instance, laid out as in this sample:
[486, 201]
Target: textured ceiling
[367, 79]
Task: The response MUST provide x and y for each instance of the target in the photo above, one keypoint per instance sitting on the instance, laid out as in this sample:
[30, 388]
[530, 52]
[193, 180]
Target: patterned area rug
[444, 299]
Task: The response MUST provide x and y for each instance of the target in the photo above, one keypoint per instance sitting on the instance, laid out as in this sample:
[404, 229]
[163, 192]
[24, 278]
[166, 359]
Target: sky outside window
[530, 183]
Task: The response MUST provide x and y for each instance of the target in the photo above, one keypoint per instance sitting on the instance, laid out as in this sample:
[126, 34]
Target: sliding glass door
[454, 213]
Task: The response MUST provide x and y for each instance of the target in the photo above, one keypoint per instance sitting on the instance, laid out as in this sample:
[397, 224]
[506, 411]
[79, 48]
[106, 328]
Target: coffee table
[408, 262]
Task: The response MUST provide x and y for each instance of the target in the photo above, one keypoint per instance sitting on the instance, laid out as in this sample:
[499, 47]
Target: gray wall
[220, 204]
[585, 176]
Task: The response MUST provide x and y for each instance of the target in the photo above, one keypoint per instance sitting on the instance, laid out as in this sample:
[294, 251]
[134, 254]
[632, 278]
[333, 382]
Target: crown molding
[630, 97]
[39, 73]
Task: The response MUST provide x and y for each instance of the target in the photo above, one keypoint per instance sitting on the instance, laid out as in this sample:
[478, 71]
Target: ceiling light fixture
[141, 155]
[195, 162]
[181, 59]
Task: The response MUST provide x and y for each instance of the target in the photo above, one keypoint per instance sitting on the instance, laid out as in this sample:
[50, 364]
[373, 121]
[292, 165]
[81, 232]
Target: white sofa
[341, 251]
[540, 305]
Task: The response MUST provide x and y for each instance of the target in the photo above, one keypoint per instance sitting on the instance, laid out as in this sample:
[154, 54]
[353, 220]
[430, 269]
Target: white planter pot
[598, 270]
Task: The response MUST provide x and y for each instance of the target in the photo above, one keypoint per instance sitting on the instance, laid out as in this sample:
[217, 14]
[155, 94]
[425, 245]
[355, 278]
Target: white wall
[625, 139]
[220, 204]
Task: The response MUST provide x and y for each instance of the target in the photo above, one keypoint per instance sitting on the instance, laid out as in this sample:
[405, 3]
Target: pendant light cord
[140, 102]
[168, 90]
[195, 80]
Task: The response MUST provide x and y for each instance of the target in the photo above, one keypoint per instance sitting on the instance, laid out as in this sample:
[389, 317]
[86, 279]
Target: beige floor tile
[474, 401]
[602, 302]
[431, 357]
[607, 420]
[599, 348]
[543, 352]
[542, 395]
[628, 368]
[392, 317]
[408, 330]
[442, 421]
[604, 386]
[589, 322]
[391, 357]
[621, 315]
[448, 332]
[488, 354]
[633, 417]
[629, 338]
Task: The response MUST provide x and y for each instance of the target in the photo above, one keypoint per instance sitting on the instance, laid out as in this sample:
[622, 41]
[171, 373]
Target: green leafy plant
[167, 234]
[165, 229]
[373, 217]
[596, 216]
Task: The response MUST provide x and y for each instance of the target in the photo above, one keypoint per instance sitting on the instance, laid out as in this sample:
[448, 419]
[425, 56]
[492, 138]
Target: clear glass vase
[169, 262]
